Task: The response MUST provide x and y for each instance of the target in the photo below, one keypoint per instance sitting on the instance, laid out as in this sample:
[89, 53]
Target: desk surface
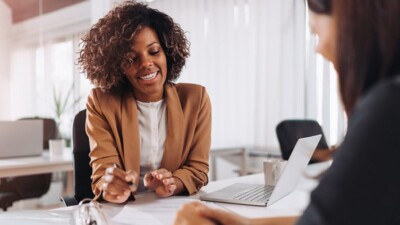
[37, 164]
[149, 209]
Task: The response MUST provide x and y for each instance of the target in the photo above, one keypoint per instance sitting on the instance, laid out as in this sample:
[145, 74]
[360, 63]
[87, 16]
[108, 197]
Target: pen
[130, 183]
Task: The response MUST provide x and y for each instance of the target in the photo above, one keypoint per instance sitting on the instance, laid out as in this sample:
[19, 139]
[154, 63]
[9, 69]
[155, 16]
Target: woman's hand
[116, 186]
[189, 214]
[161, 181]
[197, 213]
[324, 154]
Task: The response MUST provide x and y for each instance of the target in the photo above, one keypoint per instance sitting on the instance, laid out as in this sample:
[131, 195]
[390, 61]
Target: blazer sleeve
[193, 172]
[103, 149]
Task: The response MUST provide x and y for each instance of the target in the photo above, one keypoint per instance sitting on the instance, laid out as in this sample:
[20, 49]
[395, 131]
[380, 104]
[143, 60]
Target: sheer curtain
[255, 57]
[39, 74]
[5, 24]
[250, 56]
[43, 64]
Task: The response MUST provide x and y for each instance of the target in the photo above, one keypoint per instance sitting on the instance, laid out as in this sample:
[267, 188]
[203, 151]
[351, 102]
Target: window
[43, 77]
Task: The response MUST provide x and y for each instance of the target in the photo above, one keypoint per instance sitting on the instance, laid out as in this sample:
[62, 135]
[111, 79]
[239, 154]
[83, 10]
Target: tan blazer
[113, 130]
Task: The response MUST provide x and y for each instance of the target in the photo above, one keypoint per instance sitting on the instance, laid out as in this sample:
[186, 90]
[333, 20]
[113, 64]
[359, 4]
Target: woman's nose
[146, 62]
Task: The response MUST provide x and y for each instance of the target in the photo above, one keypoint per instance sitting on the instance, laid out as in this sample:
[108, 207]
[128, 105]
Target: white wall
[5, 45]
[249, 54]
[100, 8]
[57, 24]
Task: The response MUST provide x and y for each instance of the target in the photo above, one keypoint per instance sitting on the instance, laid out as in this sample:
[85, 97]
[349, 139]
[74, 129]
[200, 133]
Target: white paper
[132, 216]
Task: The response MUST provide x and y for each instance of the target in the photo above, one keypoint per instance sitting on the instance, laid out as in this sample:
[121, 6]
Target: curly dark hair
[107, 43]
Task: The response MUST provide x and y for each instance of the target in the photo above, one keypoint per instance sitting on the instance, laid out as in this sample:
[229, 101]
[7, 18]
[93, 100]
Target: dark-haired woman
[143, 128]
[362, 39]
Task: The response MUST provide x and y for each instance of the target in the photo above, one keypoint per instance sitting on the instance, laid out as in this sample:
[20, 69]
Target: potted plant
[62, 104]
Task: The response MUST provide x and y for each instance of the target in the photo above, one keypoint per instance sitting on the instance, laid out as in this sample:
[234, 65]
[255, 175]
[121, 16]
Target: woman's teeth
[149, 77]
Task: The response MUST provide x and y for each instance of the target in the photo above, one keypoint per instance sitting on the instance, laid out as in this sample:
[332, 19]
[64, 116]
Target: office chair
[7, 198]
[13, 189]
[289, 131]
[82, 169]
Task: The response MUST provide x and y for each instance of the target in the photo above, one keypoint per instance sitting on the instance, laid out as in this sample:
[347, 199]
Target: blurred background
[255, 57]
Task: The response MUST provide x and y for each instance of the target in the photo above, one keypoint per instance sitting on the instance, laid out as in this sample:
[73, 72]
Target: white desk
[21, 166]
[164, 209]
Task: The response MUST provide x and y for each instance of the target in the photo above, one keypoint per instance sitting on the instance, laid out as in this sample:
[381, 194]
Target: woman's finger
[114, 198]
[148, 180]
[116, 172]
[131, 176]
[167, 181]
[115, 185]
[161, 174]
[172, 188]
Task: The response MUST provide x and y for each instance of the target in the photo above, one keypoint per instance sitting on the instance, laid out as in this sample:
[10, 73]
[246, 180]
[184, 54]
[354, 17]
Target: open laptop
[21, 138]
[264, 195]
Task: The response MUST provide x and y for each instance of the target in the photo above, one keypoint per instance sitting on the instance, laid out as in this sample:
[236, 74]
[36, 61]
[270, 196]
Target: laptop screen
[21, 138]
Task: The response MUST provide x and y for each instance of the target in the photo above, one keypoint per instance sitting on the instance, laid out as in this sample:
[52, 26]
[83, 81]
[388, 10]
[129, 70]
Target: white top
[153, 131]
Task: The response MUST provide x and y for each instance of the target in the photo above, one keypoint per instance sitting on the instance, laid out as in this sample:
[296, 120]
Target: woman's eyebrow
[133, 50]
[152, 44]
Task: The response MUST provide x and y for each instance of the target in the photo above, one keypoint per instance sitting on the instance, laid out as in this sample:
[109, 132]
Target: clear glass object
[89, 212]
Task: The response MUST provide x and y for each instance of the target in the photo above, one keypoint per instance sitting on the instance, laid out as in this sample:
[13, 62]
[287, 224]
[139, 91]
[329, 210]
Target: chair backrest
[81, 149]
[49, 129]
[33, 186]
[49, 132]
[289, 131]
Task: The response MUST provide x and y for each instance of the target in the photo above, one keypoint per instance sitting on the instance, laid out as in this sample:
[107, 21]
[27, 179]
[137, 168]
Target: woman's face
[148, 71]
[324, 27]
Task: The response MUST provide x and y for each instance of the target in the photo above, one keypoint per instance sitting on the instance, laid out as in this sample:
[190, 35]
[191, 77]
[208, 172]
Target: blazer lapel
[173, 146]
[130, 133]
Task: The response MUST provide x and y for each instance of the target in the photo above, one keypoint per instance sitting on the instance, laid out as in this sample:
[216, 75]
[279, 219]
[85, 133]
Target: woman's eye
[154, 52]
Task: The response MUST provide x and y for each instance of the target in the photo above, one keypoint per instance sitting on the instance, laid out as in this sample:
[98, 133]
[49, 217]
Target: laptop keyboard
[256, 194]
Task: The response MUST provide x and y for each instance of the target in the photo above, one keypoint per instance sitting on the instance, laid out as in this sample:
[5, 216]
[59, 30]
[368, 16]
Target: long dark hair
[368, 45]
[320, 6]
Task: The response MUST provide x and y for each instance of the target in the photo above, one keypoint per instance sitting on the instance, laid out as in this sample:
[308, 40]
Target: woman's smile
[149, 77]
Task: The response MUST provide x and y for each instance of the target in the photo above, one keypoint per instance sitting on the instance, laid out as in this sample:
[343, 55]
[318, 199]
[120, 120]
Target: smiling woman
[156, 133]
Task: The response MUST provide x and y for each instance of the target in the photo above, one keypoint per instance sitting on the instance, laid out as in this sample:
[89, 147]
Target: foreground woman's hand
[197, 213]
[162, 182]
[116, 188]
[189, 214]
